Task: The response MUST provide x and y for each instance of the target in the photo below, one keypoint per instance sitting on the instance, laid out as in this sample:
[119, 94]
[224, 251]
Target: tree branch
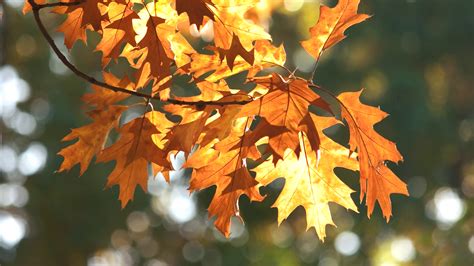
[36, 12]
[46, 5]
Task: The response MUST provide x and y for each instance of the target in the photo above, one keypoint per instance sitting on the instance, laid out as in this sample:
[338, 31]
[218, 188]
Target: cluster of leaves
[275, 130]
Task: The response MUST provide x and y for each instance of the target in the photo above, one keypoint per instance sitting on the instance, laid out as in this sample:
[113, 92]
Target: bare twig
[36, 12]
[46, 5]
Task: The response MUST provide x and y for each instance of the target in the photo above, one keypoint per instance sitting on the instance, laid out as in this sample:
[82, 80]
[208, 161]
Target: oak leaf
[101, 98]
[117, 31]
[27, 7]
[284, 109]
[196, 10]
[236, 49]
[265, 56]
[133, 151]
[153, 52]
[310, 180]
[331, 25]
[377, 181]
[91, 138]
[226, 170]
[86, 15]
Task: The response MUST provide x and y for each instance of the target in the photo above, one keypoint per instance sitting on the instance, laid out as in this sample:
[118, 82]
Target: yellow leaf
[310, 180]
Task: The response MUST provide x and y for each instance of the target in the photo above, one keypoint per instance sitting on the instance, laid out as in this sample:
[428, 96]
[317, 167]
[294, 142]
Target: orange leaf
[119, 31]
[91, 138]
[377, 181]
[135, 148]
[102, 98]
[27, 7]
[86, 15]
[331, 25]
[284, 109]
[265, 55]
[226, 170]
[236, 49]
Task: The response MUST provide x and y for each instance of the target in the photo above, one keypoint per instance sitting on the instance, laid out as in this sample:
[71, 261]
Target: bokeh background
[414, 57]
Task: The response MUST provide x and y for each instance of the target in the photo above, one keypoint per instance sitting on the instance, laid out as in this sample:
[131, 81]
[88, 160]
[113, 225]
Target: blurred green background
[414, 57]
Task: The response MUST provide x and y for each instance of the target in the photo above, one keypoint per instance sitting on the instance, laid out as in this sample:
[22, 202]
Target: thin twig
[278, 65]
[46, 5]
[313, 73]
[36, 12]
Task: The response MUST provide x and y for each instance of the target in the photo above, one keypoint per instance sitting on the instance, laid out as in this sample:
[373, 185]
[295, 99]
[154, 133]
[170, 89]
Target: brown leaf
[236, 49]
[196, 10]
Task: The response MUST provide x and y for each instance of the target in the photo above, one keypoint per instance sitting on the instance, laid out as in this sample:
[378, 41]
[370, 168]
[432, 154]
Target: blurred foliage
[415, 58]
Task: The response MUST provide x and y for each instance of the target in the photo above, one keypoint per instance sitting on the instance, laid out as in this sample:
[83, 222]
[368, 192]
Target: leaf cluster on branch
[237, 140]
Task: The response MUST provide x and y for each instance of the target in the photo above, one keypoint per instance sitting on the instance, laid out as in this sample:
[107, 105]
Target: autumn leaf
[331, 25]
[232, 180]
[265, 56]
[101, 98]
[86, 15]
[231, 21]
[153, 54]
[310, 180]
[196, 10]
[236, 49]
[227, 171]
[377, 181]
[132, 152]
[284, 109]
[91, 138]
[186, 133]
[197, 126]
[233, 33]
[119, 31]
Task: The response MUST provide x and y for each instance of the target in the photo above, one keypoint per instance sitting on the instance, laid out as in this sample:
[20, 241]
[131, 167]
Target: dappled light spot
[8, 159]
[33, 159]
[293, 5]
[347, 243]
[25, 45]
[447, 208]
[402, 249]
[13, 195]
[12, 230]
[110, 257]
[193, 251]
[13, 90]
[471, 244]
[282, 235]
[138, 222]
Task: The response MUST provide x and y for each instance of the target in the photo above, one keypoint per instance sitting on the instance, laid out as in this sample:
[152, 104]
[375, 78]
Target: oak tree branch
[36, 8]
